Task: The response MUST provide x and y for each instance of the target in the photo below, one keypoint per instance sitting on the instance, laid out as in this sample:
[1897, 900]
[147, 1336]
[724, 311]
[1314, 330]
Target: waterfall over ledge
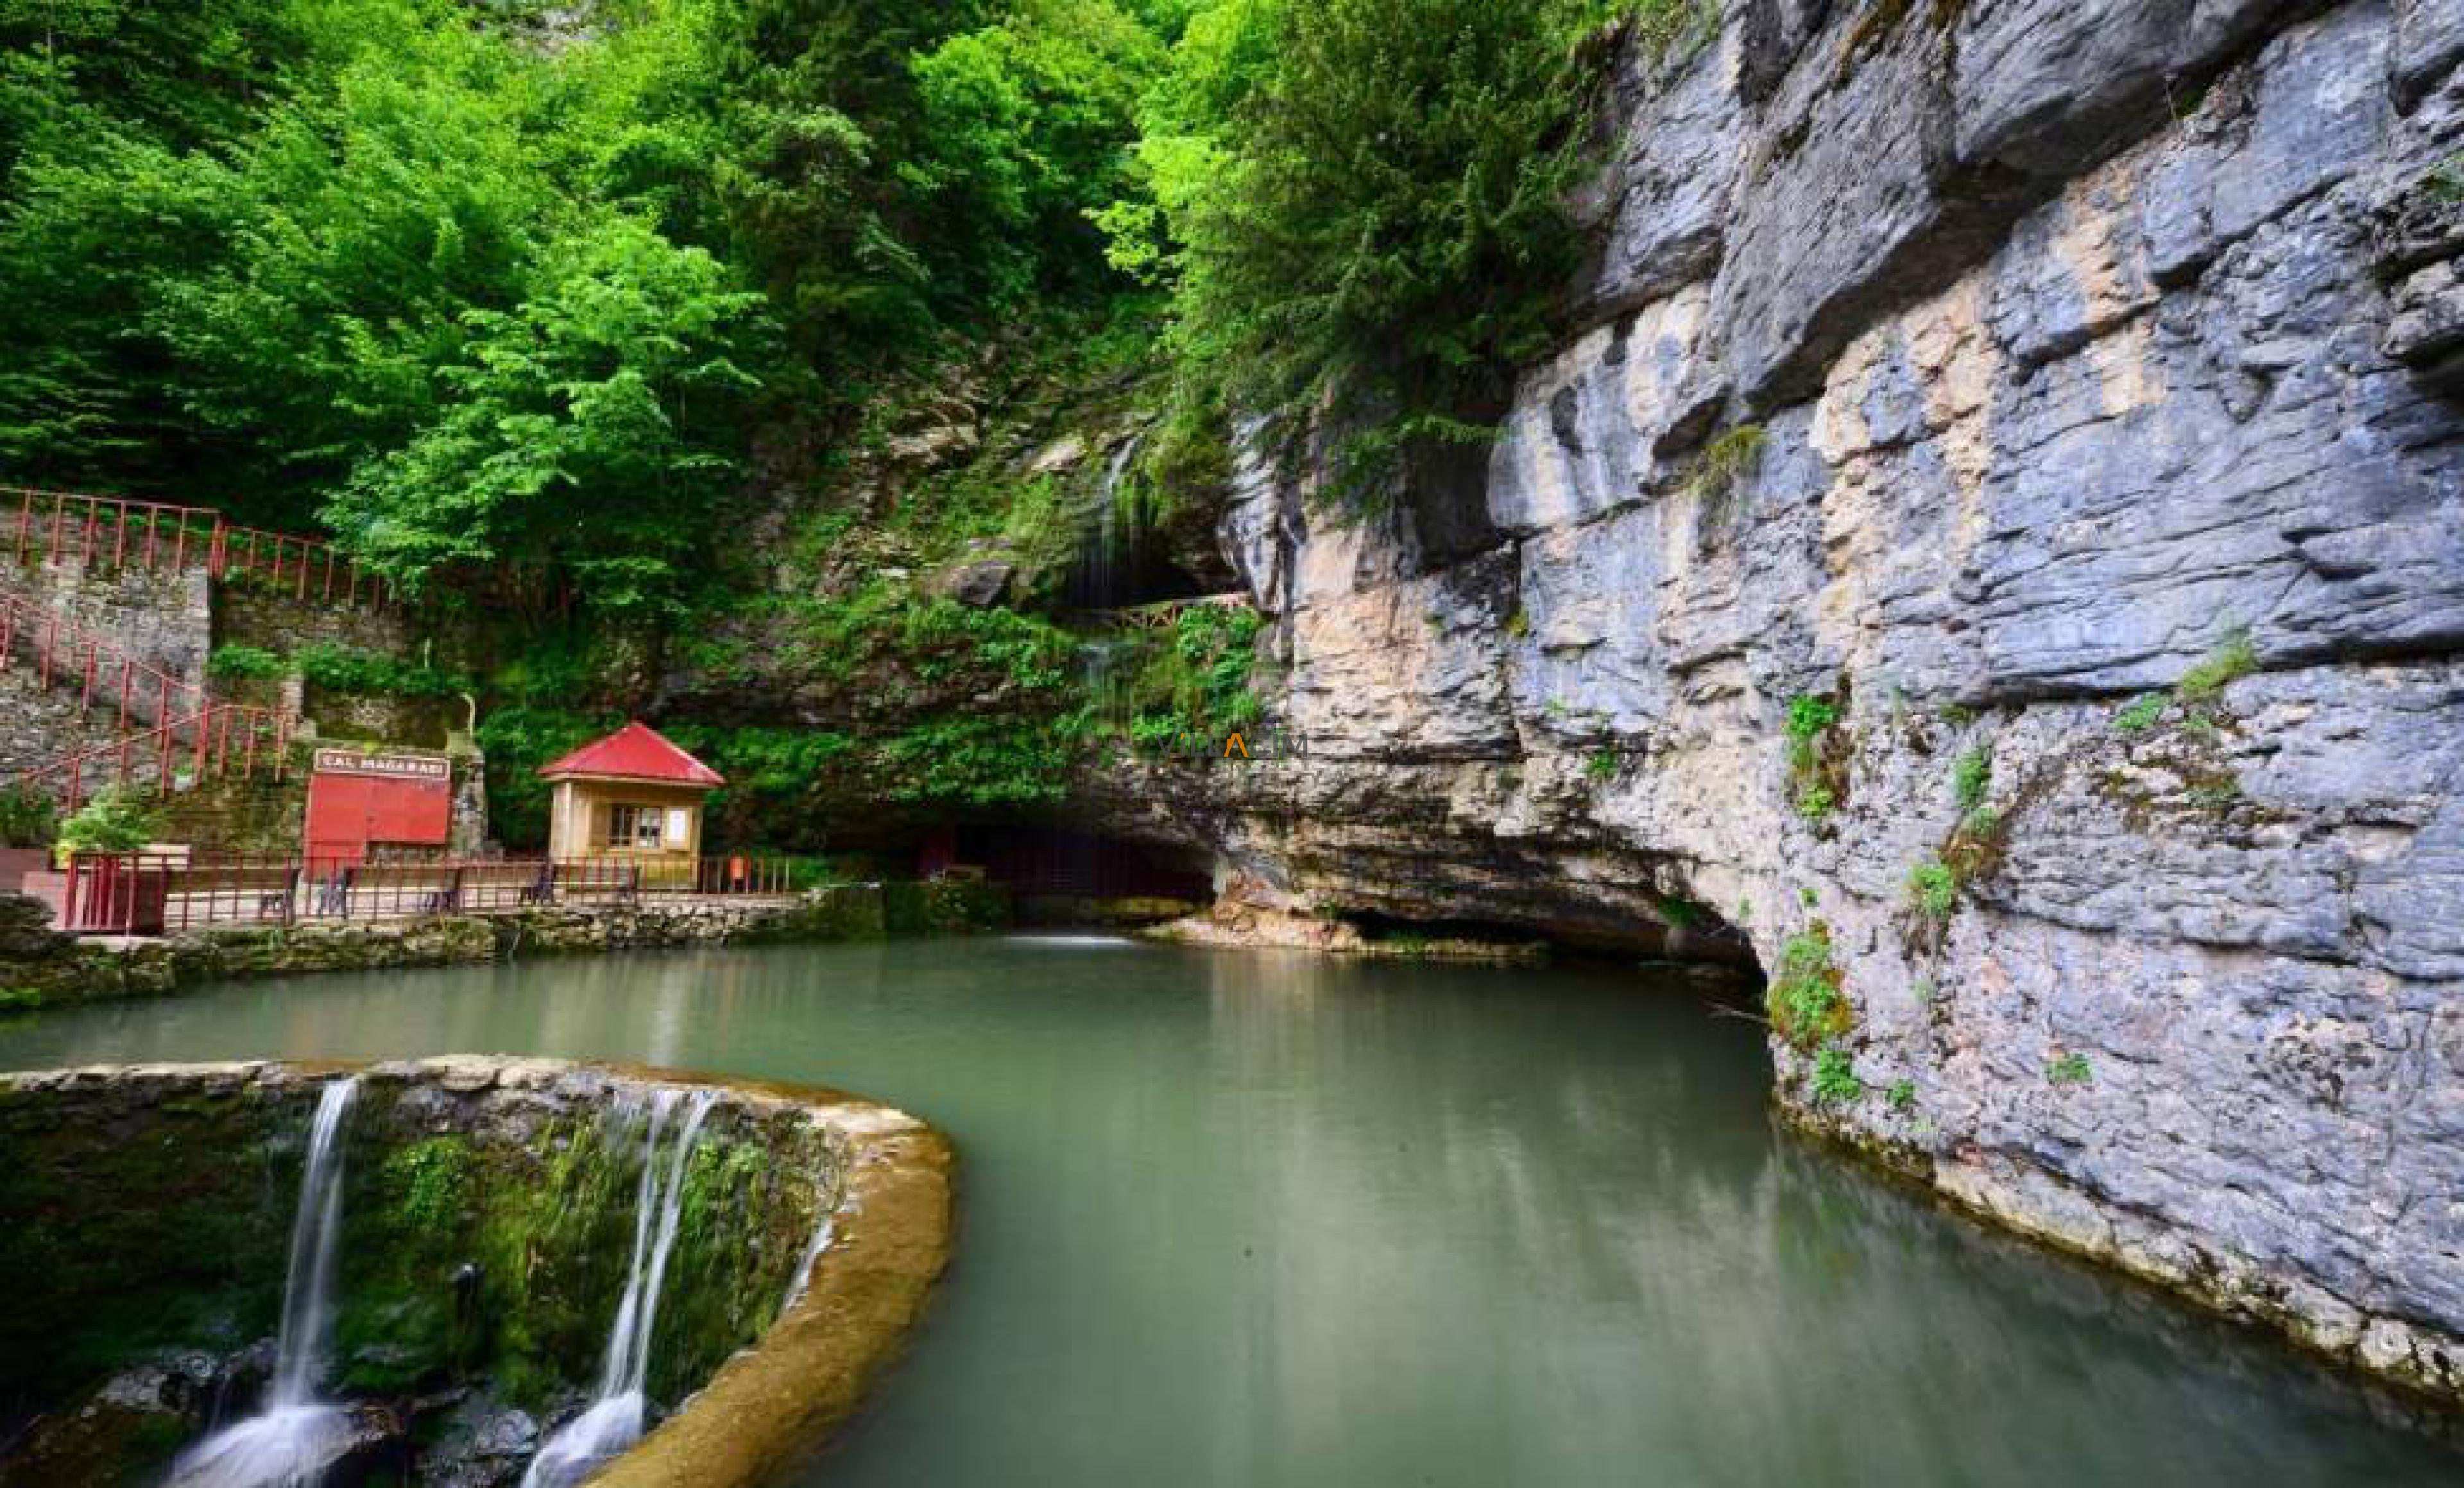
[528, 1256]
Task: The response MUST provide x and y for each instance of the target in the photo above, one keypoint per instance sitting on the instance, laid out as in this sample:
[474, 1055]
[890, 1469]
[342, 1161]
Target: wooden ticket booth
[633, 795]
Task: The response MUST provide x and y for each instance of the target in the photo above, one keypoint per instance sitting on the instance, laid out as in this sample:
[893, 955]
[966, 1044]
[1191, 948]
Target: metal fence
[224, 740]
[152, 894]
[159, 537]
[63, 653]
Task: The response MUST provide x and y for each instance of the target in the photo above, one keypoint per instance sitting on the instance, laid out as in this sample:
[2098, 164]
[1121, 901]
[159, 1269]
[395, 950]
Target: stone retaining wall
[40, 969]
[486, 1212]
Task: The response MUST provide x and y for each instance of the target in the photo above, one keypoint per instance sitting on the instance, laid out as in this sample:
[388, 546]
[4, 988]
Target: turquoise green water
[1236, 1220]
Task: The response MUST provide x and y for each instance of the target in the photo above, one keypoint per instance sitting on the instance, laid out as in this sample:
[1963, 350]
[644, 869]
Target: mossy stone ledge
[487, 1218]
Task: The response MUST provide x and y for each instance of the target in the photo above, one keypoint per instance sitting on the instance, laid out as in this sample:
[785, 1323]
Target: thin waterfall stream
[614, 1418]
[290, 1443]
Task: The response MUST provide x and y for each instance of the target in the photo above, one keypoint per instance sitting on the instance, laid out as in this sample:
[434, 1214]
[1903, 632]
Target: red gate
[357, 800]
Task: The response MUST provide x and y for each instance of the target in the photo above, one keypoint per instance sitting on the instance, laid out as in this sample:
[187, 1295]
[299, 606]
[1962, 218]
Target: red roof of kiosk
[635, 751]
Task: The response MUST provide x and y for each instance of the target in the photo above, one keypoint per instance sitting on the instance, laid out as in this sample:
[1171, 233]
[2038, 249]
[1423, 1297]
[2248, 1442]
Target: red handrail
[302, 565]
[217, 739]
[150, 893]
[156, 535]
[58, 648]
[149, 535]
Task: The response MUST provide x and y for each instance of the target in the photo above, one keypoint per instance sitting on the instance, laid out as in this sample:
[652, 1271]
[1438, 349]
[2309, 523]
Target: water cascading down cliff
[290, 1442]
[614, 1418]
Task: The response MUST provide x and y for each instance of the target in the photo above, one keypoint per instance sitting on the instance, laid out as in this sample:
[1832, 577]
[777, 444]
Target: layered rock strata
[1992, 538]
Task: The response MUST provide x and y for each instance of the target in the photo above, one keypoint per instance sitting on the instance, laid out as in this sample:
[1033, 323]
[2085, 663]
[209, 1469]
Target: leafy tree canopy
[509, 287]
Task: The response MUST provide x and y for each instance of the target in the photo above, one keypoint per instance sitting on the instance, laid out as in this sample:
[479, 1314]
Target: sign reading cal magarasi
[383, 767]
[357, 802]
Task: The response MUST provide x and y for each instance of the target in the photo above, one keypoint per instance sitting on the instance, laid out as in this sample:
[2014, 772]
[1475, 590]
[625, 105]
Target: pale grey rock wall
[2082, 339]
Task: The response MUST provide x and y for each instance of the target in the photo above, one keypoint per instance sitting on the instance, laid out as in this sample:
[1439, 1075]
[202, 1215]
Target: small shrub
[1817, 783]
[1933, 889]
[1729, 457]
[117, 820]
[27, 818]
[1804, 999]
[1809, 718]
[1834, 1077]
[2233, 659]
[1815, 803]
[1518, 625]
[1603, 766]
[1724, 464]
[1903, 1096]
[1970, 774]
[1978, 847]
[2140, 713]
[2217, 795]
[2069, 1069]
[235, 662]
[2443, 182]
[1664, 28]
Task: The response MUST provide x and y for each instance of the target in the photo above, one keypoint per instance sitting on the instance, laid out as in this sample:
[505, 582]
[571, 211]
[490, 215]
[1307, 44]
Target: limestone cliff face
[1977, 369]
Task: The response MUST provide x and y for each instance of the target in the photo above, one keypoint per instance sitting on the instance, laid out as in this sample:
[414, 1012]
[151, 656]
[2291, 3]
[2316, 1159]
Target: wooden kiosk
[633, 797]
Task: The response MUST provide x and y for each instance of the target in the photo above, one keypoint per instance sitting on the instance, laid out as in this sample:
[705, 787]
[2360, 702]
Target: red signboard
[397, 799]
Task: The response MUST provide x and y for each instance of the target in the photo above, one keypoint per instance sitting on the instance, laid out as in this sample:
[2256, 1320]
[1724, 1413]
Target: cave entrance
[1060, 876]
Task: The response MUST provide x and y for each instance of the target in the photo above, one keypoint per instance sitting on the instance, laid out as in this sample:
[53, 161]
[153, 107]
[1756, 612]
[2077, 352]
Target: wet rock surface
[2065, 388]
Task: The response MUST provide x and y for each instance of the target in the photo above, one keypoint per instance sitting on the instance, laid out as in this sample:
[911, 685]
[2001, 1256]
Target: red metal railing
[149, 535]
[65, 654]
[160, 537]
[147, 894]
[218, 740]
[304, 566]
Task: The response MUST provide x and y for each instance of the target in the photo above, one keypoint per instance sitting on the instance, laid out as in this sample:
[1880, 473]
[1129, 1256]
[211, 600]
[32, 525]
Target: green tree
[1371, 236]
[588, 434]
[1029, 122]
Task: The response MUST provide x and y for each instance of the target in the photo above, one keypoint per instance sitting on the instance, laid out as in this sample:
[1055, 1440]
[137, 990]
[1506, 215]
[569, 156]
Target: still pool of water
[1274, 1219]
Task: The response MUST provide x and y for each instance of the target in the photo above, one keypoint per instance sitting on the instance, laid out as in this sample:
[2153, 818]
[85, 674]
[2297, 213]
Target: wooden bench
[493, 886]
[275, 889]
[416, 886]
[621, 881]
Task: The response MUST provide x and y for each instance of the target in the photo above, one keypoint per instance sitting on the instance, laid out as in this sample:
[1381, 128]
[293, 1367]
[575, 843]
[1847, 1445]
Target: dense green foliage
[340, 668]
[1362, 206]
[506, 293]
[503, 292]
[592, 318]
[1190, 687]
